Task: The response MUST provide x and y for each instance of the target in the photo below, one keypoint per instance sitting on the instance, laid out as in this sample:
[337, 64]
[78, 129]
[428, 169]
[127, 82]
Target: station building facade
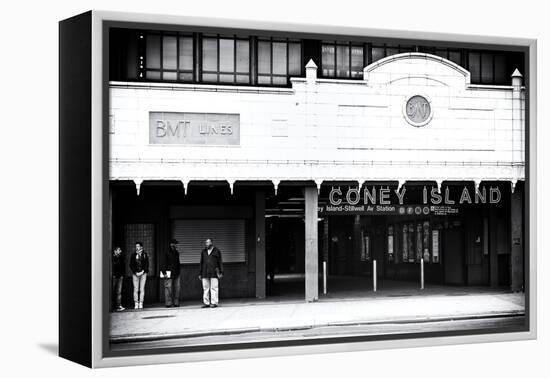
[295, 153]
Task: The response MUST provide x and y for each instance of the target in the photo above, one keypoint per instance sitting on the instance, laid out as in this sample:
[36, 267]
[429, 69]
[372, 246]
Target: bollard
[374, 275]
[324, 277]
[422, 274]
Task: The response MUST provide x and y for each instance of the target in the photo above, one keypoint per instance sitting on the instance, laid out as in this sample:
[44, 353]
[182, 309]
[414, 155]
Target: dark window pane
[244, 79]
[210, 54]
[294, 59]
[227, 55]
[501, 70]
[153, 75]
[279, 80]
[474, 66]
[169, 52]
[264, 57]
[406, 49]
[441, 52]
[357, 61]
[279, 58]
[392, 50]
[427, 50]
[327, 60]
[227, 78]
[153, 51]
[342, 61]
[186, 53]
[455, 57]
[186, 76]
[210, 77]
[487, 68]
[264, 79]
[169, 75]
[243, 56]
[377, 53]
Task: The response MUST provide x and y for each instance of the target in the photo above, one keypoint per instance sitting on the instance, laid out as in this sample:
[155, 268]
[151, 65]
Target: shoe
[140, 304]
[120, 308]
[176, 305]
[168, 306]
[213, 305]
[136, 305]
[205, 306]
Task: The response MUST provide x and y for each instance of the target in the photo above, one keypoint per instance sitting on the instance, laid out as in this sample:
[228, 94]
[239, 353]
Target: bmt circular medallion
[417, 110]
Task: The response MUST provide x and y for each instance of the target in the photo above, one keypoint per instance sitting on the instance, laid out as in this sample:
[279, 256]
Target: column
[518, 129]
[357, 245]
[312, 252]
[260, 244]
[493, 253]
[516, 215]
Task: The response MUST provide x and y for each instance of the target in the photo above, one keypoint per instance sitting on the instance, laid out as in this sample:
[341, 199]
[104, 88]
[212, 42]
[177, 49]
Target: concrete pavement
[237, 317]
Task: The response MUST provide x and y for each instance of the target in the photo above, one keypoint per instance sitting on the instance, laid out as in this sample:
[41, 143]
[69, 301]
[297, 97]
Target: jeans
[172, 291]
[210, 291]
[117, 290]
[139, 287]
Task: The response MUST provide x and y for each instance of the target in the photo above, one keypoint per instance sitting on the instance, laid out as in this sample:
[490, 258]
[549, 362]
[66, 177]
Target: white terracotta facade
[325, 129]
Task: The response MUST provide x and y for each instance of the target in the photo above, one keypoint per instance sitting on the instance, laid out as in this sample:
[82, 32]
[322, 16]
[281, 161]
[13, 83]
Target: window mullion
[177, 56]
[218, 58]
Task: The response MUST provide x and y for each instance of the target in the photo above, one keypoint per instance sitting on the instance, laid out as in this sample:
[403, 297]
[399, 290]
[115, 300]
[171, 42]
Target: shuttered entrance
[228, 236]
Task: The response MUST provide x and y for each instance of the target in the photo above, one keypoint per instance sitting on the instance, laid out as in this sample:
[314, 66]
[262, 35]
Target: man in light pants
[211, 271]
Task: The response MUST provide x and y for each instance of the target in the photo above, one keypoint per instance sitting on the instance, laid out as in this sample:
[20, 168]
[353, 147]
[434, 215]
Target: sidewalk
[234, 317]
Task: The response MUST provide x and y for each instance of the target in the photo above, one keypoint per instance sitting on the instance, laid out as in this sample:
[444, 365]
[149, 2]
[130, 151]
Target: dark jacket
[139, 264]
[171, 261]
[211, 265]
[119, 265]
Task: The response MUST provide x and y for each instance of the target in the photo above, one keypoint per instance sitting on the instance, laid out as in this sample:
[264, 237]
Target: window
[168, 57]
[278, 60]
[381, 51]
[474, 66]
[342, 60]
[487, 67]
[226, 60]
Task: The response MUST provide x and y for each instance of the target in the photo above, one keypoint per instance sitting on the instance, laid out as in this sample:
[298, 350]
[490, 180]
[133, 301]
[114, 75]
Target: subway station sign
[384, 201]
[194, 128]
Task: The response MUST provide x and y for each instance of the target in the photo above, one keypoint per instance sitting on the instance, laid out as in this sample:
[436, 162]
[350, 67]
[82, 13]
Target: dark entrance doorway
[285, 256]
[453, 260]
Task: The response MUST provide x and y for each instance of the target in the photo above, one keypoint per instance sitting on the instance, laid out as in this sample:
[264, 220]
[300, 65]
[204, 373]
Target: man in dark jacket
[139, 265]
[170, 271]
[211, 270]
[119, 267]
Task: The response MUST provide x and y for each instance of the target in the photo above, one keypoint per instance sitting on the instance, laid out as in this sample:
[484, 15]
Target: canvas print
[269, 186]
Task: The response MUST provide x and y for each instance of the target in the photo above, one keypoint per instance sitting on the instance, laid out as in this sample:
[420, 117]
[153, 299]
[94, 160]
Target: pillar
[260, 244]
[516, 215]
[493, 253]
[357, 245]
[312, 252]
[518, 129]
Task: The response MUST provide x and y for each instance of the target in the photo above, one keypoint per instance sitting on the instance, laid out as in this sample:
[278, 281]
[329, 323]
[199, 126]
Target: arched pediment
[407, 66]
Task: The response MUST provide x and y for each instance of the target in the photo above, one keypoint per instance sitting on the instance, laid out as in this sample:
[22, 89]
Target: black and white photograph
[270, 186]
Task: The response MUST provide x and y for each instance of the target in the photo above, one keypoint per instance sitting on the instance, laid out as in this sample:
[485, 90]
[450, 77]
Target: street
[505, 323]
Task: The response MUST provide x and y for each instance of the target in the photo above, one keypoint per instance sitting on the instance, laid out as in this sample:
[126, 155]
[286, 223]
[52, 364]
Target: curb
[236, 331]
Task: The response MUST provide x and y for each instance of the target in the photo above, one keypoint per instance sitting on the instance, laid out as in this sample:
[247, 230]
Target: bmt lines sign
[194, 128]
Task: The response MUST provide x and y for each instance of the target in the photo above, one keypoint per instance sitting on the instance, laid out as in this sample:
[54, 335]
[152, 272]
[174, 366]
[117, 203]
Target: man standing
[170, 270]
[139, 265]
[118, 276]
[211, 271]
